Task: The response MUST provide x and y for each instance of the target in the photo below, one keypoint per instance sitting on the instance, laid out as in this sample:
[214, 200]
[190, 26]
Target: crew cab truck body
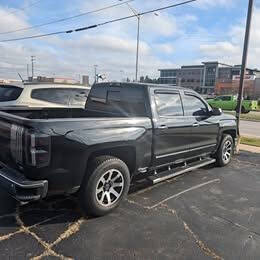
[229, 102]
[126, 129]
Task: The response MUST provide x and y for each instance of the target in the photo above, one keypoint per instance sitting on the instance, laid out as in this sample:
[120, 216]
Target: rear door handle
[163, 127]
[195, 125]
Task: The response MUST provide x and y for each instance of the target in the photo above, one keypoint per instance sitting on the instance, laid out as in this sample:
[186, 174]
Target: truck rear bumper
[21, 188]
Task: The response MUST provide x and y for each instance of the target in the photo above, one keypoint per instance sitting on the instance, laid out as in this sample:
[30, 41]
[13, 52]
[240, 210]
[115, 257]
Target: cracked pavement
[211, 213]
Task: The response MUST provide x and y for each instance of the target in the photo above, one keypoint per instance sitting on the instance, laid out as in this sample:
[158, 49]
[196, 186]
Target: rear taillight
[17, 143]
[38, 149]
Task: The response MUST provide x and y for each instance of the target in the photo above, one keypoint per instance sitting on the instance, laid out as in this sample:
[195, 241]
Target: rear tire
[243, 110]
[225, 151]
[105, 185]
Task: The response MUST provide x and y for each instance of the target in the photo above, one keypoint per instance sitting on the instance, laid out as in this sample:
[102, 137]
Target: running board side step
[180, 170]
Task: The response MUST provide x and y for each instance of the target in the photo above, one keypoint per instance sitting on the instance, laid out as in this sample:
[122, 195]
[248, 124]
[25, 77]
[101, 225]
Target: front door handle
[195, 125]
[163, 127]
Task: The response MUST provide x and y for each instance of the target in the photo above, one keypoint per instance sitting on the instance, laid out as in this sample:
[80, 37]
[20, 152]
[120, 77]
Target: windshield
[9, 93]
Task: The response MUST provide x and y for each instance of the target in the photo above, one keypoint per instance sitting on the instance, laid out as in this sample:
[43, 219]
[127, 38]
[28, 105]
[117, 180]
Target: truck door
[205, 128]
[172, 130]
[227, 103]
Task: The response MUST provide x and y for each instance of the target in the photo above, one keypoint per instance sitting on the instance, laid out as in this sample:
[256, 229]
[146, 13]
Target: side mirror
[216, 112]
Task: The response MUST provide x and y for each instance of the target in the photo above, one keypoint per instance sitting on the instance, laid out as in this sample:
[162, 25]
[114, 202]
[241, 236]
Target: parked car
[229, 102]
[126, 129]
[43, 95]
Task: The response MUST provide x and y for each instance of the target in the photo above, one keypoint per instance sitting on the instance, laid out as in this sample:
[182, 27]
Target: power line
[66, 18]
[97, 25]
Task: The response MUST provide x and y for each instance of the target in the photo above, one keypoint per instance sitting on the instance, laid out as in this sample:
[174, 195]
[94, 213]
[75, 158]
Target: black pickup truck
[126, 129]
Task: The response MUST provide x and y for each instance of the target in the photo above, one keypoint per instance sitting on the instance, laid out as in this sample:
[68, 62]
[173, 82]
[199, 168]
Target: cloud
[112, 47]
[213, 3]
[107, 43]
[166, 48]
[12, 20]
[219, 49]
[174, 36]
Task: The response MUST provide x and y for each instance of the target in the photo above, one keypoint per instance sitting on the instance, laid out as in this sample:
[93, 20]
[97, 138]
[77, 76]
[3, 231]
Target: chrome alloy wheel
[227, 151]
[109, 187]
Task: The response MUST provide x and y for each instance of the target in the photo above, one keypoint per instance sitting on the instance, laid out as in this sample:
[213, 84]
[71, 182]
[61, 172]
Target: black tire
[226, 147]
[98, 187]
[243, 110]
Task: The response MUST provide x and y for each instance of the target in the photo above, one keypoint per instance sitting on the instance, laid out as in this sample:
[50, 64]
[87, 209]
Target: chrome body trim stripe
[189, 150]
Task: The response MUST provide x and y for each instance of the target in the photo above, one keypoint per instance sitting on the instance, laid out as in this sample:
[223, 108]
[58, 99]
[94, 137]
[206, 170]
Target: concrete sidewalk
[249, 148]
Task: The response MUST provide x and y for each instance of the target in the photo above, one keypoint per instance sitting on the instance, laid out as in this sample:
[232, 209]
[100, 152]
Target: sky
[206, 30]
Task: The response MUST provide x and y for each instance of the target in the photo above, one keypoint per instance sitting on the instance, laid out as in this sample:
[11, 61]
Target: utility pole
[243, 67]
[32, 60]
[96, 77]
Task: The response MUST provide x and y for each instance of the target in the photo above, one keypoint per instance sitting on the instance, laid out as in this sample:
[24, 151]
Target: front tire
[225, 151]
[105, 185]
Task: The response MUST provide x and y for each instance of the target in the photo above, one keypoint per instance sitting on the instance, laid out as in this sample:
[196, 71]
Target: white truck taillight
[38, 149]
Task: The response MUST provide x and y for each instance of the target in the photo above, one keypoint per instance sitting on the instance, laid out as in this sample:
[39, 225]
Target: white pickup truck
[43, 95]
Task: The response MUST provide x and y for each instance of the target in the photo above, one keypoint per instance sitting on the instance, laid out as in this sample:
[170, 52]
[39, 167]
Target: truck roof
[44, 85]
[146, 85]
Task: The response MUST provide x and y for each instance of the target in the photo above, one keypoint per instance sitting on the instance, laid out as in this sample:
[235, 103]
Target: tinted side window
[58, 95]
[78, 97]
[168, 104]
[9, 93]
[193, 106]
[225, 98]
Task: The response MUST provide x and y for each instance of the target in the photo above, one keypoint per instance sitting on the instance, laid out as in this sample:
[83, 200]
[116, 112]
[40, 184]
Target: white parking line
[180, 193]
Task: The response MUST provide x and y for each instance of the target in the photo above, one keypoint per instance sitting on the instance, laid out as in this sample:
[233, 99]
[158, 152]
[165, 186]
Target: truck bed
[55, 113]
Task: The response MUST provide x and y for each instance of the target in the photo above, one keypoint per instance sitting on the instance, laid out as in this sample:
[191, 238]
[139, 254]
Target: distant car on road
[43, 95]
[229, 102]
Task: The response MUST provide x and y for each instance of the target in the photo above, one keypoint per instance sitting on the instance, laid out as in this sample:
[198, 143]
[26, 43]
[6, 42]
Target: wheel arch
[125, 153]
[232, 132]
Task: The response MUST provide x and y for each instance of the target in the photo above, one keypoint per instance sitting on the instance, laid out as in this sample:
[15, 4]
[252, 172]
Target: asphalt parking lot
[212, 213]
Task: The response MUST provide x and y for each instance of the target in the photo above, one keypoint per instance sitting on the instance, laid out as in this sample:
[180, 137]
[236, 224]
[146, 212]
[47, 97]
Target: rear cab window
[117, 100]
[9, 93]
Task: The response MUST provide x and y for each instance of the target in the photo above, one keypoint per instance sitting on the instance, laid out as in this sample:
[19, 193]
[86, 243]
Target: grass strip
[250, 141]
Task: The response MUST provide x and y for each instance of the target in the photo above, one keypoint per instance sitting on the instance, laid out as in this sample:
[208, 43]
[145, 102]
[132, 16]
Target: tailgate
[254, 105]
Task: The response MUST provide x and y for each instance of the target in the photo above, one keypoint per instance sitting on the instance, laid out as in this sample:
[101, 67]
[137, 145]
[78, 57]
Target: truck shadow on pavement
[37, 229]
[69, 204]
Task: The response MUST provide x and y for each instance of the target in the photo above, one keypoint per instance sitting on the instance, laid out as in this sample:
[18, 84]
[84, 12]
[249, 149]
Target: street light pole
[138, 16]
[137, 47]
[243, 67]
[137, 39]
[27, 71]
[96, 78]
[32, 60]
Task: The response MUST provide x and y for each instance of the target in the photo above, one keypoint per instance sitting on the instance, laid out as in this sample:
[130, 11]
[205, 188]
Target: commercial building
[251, 87]
[205, 78]
[9, 81]
[85, 80]
[59, 80]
